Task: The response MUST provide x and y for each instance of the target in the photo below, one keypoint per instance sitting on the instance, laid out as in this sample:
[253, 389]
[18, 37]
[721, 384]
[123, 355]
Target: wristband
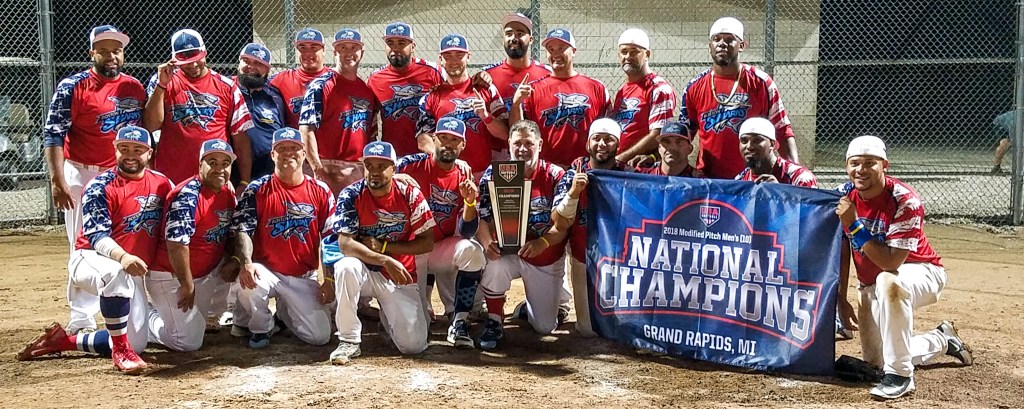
[859, 236]
[489, 119]
[546, 242]
[243, 183]
[328, 279]
[237, 259]
[384, 248]
[653, 156]
[468, 204]
[159, 85]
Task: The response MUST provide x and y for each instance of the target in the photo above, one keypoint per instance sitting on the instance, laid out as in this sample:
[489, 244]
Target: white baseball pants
[173, 328]
[450, 255]
[84, 306]
[578, 271]
[98, 275]
[543, 287]
[401, 308]
[297, 306]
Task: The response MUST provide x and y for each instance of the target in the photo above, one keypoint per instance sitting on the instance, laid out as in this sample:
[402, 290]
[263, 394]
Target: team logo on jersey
[389, 226]
[217, 233]
[710, 214]
[442, 203]
[265, 115]
[199, 109]
[627, 111]
[464, 112]
[570, 110]
[296, 104]
[726, 116]
[294, 223]
[357, 117]
[404, 102]
[540, 215]
[148, 216]
[126, 111]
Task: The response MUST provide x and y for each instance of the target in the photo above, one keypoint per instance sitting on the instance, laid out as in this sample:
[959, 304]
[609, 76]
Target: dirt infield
[983, 297]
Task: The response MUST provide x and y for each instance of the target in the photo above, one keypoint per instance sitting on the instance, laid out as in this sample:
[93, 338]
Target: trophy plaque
[510, 203]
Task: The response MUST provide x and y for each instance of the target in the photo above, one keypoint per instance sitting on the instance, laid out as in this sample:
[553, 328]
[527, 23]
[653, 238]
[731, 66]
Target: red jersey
[457, 101]
[896, 218]
[506, 79]
[203, 214]
[292, 83]
[285, 222]
[443, 196]
[399, 94]
[86, 112]
[126, 210]
[564, 108]
[195, 111]
[578, 231]
[688, 171]
[717, 124]
[542, 193]
[343, 113]
[786, 172]
[641, 106]
[401, 215]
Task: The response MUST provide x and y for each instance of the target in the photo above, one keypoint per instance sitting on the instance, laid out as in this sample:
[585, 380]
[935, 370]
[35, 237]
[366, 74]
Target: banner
[721, 271]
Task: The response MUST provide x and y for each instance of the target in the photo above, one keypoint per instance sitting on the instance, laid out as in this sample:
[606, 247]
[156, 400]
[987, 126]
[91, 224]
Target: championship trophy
[510, 203]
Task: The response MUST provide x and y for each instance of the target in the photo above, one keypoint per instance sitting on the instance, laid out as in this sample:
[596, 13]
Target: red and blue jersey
[578, 231]
[292, 83]
[195, 111]
[441, 188]
[285, 222]
[86, 112]
[399, 94]
[199, 219]
[542, 194]
[456, 101]
[506, 79]
[786, 172]
[401, 215]
[343, 113]
[715, 119]
[564, 108]
[126, 210]
[641, 106]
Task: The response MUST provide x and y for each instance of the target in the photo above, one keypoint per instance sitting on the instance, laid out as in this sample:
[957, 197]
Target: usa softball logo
[507, 171]
[710, 214]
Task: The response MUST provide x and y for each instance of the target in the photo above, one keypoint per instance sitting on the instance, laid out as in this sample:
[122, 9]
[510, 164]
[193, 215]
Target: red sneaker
[127, 361]
[47, 343]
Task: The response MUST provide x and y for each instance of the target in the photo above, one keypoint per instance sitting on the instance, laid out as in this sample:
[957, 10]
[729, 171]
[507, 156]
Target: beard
[399, 61]
[446, 156]
[102, 69]
[250, 81]
[517, 52]
[601, 158]
[131, 169]
[757, 163]
[455, 72]
[630, 68]
[376, 183]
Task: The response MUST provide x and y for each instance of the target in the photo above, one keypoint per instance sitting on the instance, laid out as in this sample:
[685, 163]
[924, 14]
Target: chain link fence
[928, 76]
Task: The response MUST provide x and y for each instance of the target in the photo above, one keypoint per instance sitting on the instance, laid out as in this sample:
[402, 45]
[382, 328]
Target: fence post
[1017, 183]
[769, 37]
[535, 16]
[289, 32]
[46, 83]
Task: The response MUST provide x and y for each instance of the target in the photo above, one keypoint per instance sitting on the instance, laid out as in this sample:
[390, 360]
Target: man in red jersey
[191, 104]
[718, 100]
[339, 115]
[185, 280]
[278, 222]
[309, 42]
[399, 87]
[86, 112]
[481, 109]
[645, 102]
[883, 221]
[122, 208]
[381, 225]
[764, 164]
[563, 104]
[674, 148]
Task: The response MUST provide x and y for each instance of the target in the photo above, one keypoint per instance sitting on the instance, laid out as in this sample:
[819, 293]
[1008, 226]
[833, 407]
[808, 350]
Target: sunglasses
[187, 55]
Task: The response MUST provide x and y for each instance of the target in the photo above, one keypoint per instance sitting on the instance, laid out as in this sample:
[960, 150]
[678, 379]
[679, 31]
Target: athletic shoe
[956, 347]
[259, 341]
[563, 314]
[344, 353]
[127, 361]
[226, 318]
[458, 335]
[893, 386]
[520, 313]
[47, 343]
[493, 332]
[279, 326]
[239, 331]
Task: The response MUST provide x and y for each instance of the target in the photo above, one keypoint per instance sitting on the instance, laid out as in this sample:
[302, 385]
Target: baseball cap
[133, 134]
[256, 52]
[187, 46]
[868, 145]
[216, 145]
[727, 25]
[107, 32]
[309, 35]
[675, 128]
[560, 34]
[286, 135]
[759, 126]
[398, 29]
[454, 42]
[451, 126]
[347, 35]
[606, 125]
[635, 36]
[517, 18]
[380, 150]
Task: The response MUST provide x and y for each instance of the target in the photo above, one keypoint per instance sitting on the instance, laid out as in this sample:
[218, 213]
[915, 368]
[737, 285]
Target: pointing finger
[525, 79]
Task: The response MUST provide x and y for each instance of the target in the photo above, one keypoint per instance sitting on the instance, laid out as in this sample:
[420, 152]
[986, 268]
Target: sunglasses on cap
[187, 54]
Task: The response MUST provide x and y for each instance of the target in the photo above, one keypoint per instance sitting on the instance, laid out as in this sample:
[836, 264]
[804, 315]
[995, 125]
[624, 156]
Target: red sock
[120, 341]
[496, 307]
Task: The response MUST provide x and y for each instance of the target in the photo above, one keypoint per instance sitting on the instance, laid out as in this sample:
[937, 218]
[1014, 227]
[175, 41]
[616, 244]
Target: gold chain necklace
[735, 85]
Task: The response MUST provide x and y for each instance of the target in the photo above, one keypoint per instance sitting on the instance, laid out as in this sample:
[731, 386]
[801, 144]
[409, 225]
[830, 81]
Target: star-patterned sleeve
[484, 208]
[152, 83]
[346, 216]
[58, 116]
[180, 222]
[312, 110]
[96, 223]
[245, 219]
[427, 123]
[563, 186]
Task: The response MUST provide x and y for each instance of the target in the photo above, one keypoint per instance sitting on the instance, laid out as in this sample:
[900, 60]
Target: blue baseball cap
[560, 34]
[187, 47]
[398, 30]
[107, 32]
[286, 135]
[454, 42]
[133, 134]
[675, 128]
[379, 150]
[347, 35]
[309, 35]
[256, 52]
[216, 145]
[451, 126]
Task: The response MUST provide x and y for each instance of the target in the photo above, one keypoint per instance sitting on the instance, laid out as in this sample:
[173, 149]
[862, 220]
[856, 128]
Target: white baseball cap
[758, 126]
[867, 145]
[635, 36]
[606, 125]
[727, 25]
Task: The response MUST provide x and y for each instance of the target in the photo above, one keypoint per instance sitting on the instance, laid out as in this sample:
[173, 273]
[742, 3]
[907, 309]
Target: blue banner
[721, 271]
